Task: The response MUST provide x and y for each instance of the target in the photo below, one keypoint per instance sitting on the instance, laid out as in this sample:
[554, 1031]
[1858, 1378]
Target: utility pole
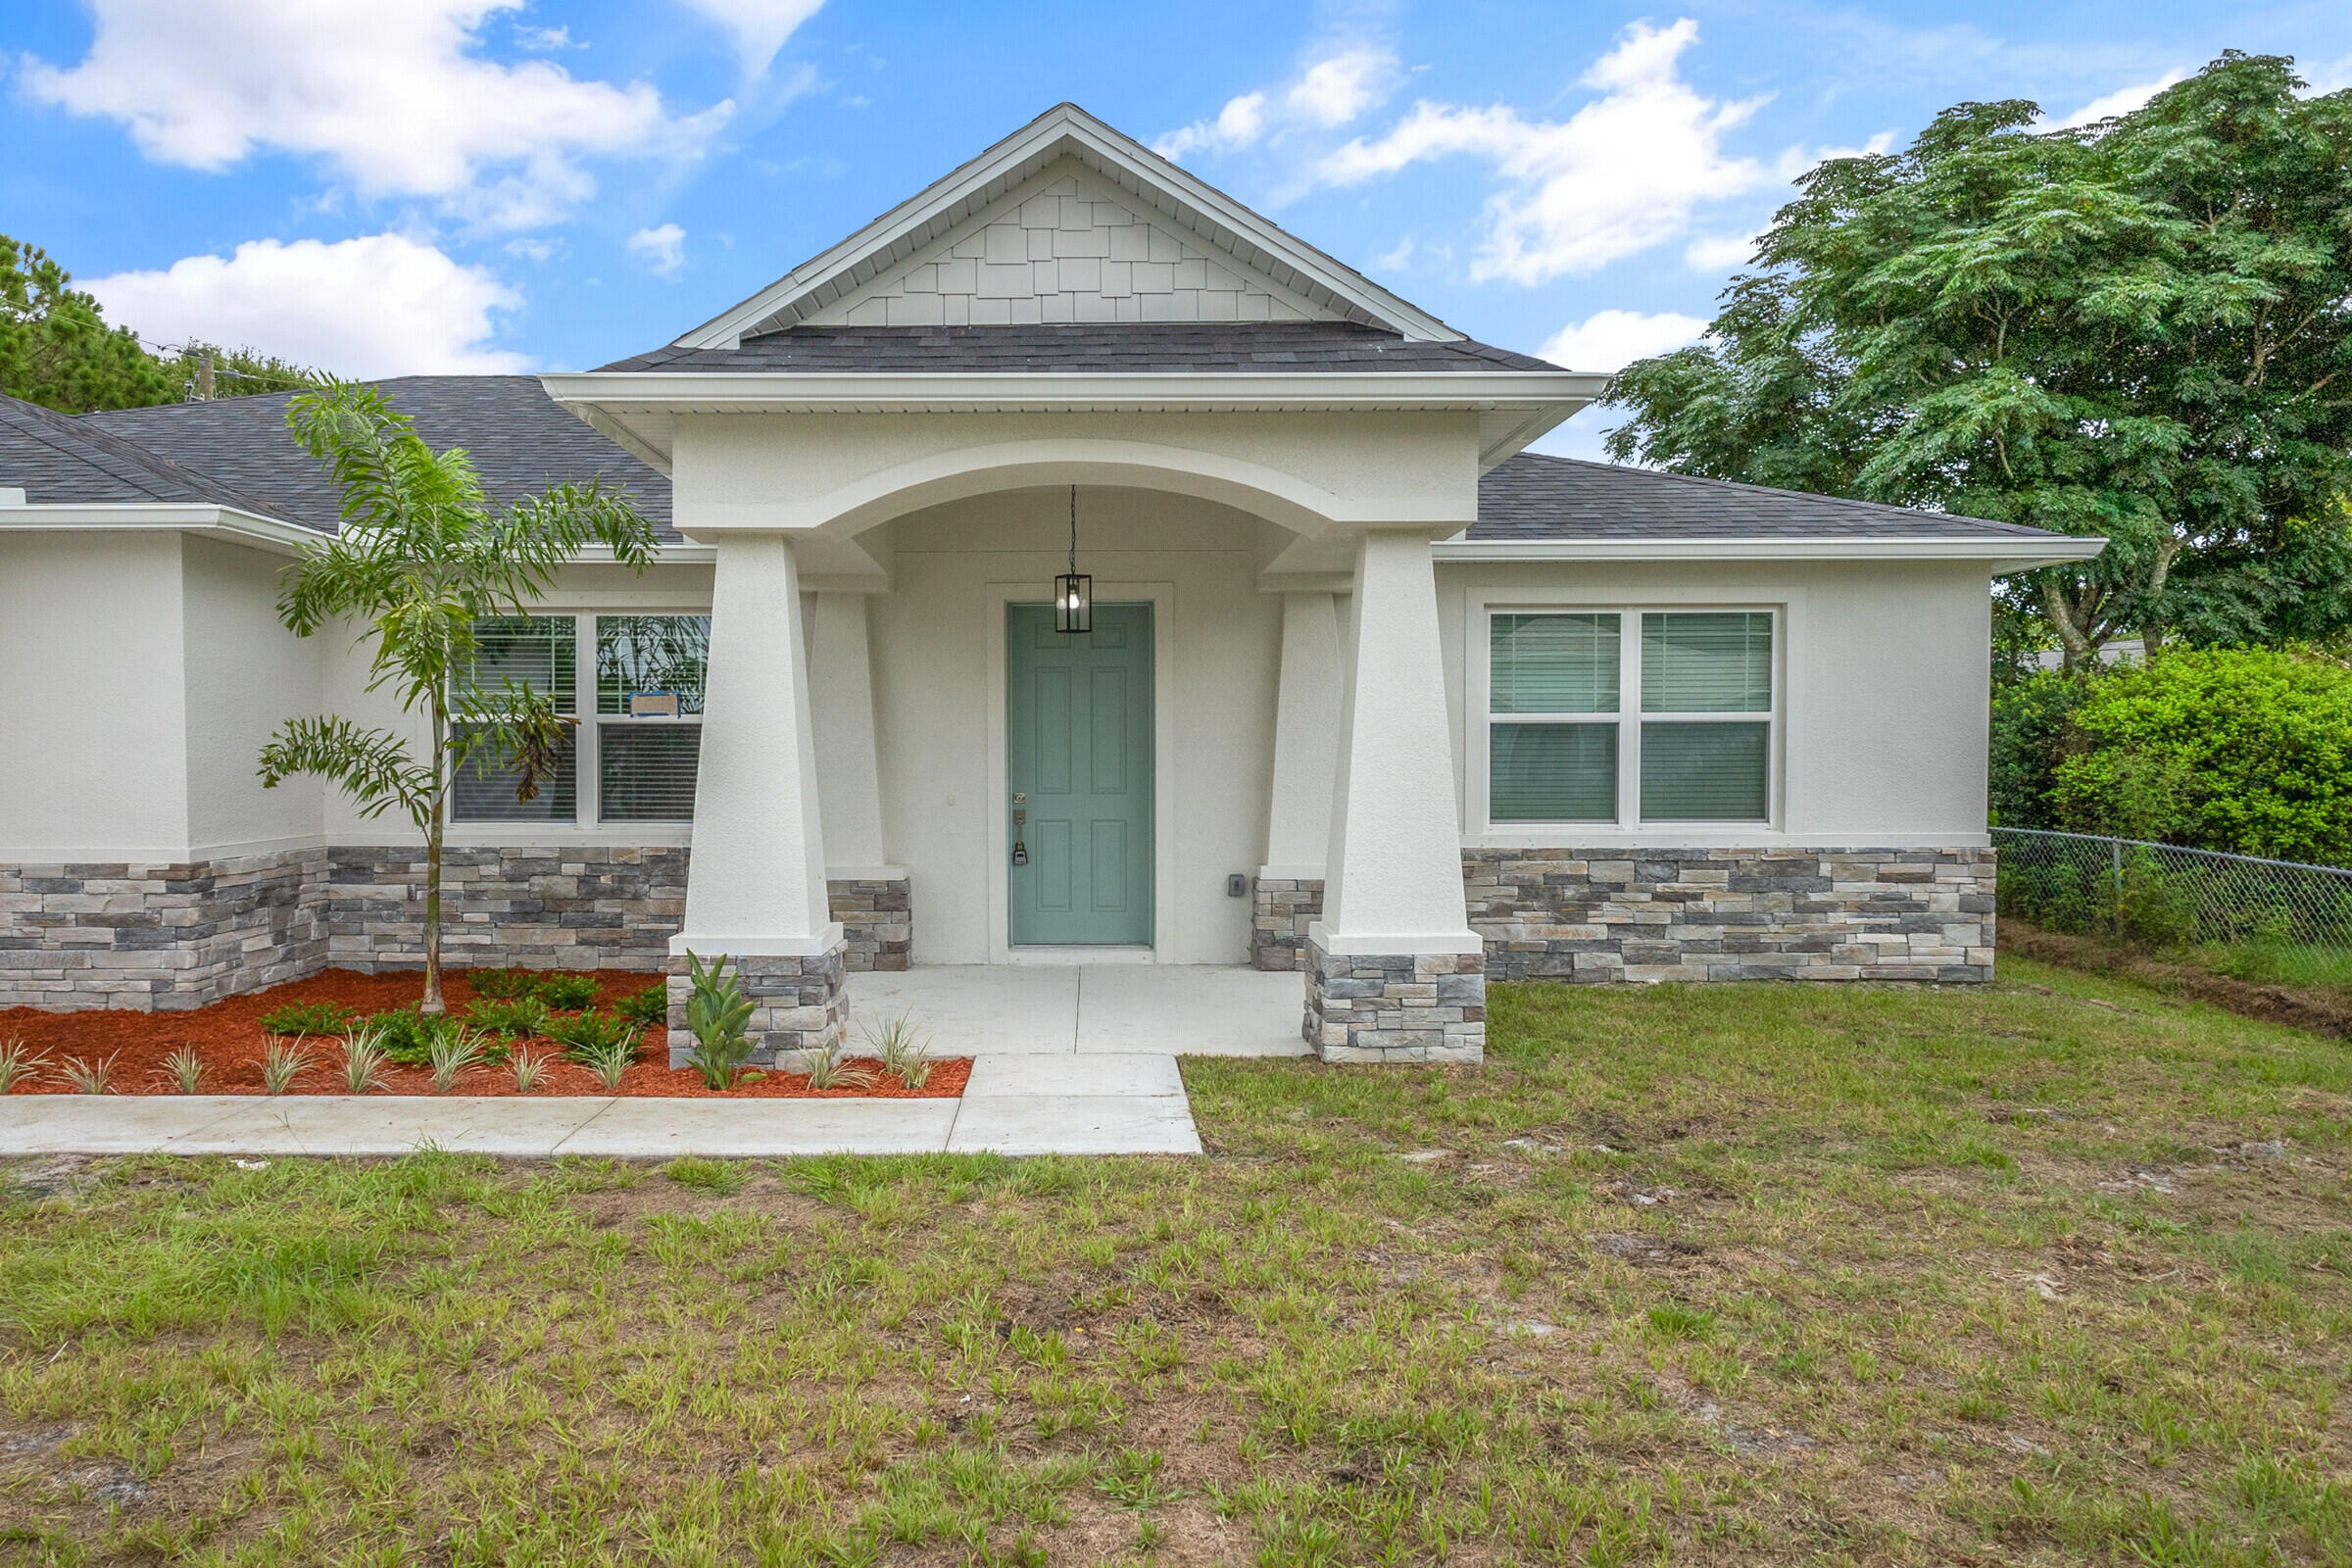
[204, 375]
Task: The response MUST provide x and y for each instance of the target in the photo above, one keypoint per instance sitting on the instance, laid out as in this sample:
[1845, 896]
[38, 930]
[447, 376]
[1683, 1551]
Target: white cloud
[380, 304]
[759, 27]
[1620, 175]
[1334, 91]
[2334, 77]
[1331, 92]
[2121, 101]
[1719, 252]
[1610, 340]
[663, 248]
[545, 40]
[390, 95]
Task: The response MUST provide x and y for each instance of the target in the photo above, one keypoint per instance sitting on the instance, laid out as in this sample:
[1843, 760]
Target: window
[540, 651]
[1560, 746]
[639, 676]
[649, 703]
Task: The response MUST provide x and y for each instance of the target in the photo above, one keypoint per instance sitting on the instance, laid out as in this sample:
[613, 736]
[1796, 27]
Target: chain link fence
[2163, 895]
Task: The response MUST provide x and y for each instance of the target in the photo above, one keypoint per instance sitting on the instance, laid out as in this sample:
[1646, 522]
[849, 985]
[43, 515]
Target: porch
[1089, 1010]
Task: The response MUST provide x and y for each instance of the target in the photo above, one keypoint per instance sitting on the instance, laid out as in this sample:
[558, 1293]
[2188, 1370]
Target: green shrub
[307, 1018]
[516, 1019]
[646, 1007]
[2243, 750]
[2029, 740]
[504, 984]
[590, 1033]
[408, 1035]
[569, 991]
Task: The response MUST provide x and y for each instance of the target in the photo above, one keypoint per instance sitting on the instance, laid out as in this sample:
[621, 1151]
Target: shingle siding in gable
[1065, 251]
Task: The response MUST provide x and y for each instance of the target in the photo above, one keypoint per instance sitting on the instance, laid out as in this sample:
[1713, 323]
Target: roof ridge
[120, 458]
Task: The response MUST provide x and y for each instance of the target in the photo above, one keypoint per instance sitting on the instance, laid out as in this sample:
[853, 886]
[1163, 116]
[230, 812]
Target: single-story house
[1365, 690]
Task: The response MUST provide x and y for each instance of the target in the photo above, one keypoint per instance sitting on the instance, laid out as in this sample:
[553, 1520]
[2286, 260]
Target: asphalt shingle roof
[238, 452]
[57, 460]
[521, 441]
[1536, 497]
[1099, 347]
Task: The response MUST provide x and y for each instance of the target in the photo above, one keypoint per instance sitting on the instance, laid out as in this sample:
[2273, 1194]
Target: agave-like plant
[282, 1063]
[830, 1070]
[19, 1063]
[904, 1051]
[528, 1069]
[91, 1077]
[185, 1070]
[365, 1059]
[609, 1059]
[453, 1052]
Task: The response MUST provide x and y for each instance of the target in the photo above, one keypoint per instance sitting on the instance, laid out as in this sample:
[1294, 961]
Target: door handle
[1020, 851]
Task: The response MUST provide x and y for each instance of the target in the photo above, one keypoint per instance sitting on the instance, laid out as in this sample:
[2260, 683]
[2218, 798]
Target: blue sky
[459, 184]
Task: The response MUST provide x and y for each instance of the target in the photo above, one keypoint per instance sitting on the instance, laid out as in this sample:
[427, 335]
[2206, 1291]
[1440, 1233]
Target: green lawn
[2054, 1271]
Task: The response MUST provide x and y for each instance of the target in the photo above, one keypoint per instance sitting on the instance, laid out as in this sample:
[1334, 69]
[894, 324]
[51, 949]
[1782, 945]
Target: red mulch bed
[228, 1036]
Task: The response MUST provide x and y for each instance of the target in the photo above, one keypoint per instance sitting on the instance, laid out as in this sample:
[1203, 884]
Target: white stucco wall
[1884, 697]
[92, 732]
[243, 675]
[1217, 638]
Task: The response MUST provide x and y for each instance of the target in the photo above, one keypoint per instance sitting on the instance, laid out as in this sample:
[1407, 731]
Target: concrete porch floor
[1176, 1009]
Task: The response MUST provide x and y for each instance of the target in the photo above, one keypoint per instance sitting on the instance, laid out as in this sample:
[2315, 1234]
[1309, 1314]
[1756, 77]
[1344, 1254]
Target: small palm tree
[422, 555]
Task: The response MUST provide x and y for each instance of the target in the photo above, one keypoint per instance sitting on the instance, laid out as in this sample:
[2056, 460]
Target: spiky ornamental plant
[423, 554]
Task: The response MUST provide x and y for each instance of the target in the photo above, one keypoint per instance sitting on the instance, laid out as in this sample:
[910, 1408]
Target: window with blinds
[1559, 741]
[650, 672]
[1554, 758]
[541, 653]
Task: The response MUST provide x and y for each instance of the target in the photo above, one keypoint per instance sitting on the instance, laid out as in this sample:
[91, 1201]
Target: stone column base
[799, 1002]
[1395, 1006]
[877, 912]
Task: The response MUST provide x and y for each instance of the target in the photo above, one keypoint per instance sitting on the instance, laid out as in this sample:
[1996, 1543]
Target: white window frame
[1784, 605]
[588, 827]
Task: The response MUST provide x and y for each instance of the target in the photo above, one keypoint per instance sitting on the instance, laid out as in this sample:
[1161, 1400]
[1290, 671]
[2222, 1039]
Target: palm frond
[372, 765]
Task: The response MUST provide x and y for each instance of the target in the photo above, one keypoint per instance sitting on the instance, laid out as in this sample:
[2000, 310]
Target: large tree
[57, 350]
[424, 556]
[2140, 328]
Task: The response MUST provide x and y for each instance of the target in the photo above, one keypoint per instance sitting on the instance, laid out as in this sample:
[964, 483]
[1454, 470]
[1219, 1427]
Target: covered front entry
[1079, 778]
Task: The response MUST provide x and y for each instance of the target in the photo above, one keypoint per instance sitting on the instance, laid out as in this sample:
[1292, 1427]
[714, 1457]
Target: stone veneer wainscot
[169, 938]
[1598, 915]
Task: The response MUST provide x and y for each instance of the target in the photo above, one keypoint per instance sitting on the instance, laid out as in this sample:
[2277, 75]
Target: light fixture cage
[1074, 603]
[1073, 590]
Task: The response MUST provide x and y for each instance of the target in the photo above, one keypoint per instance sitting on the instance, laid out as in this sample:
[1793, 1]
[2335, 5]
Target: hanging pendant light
[1074, 590]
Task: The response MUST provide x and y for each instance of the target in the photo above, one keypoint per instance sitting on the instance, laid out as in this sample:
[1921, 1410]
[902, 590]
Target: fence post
[2114, 868]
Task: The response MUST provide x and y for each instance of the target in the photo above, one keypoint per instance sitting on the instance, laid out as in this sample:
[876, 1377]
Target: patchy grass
[2050, 1272]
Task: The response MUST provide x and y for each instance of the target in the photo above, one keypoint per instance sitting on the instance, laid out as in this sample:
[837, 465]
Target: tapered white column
[849, 773]
[1393, 971]
[1289, 891]
[1307, 738]
[872, 900]
[756, 884]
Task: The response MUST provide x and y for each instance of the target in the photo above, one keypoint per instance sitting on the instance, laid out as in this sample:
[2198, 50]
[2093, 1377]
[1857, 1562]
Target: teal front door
[1078, 733]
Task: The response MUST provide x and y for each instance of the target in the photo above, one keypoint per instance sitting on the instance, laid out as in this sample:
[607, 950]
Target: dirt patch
[228, 1037]
[2322, 1011]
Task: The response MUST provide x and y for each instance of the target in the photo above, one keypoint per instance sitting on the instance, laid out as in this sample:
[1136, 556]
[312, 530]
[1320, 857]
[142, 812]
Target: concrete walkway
[1105, 1105]
[1180, 1009]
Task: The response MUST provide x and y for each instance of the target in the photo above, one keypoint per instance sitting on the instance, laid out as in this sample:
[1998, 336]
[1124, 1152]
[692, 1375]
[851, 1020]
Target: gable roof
[520, 442]
[1096, 347]
[58, 459]
[1153, 182]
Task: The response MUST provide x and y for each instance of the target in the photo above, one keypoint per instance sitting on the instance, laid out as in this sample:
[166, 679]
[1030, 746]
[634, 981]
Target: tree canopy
[57, 350]
[2140, 328]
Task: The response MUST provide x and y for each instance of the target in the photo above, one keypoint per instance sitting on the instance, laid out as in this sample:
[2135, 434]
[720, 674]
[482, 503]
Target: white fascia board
[2000, 555]
[794, 391]
[1066, 127]
[159, 516]
[250, 529]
